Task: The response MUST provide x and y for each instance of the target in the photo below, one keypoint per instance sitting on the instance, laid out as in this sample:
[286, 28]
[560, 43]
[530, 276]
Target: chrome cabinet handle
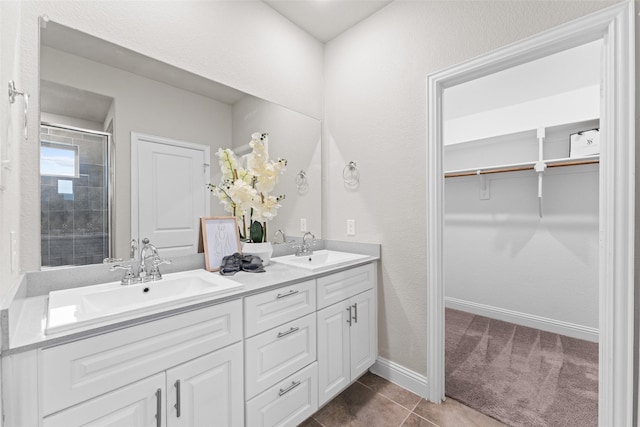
[349, 316]
[293, 385]
[355, 310]
[290, 331]
[177, 405]
[159, 408]
[291, 292]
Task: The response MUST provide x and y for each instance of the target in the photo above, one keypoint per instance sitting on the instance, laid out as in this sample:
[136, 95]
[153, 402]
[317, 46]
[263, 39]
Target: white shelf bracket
[540, 167]
[484, 193]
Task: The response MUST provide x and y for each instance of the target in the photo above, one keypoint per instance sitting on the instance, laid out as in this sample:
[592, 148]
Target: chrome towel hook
[13, 92]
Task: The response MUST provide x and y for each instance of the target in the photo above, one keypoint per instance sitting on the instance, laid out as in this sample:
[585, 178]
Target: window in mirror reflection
[74, 170]
[58, 159]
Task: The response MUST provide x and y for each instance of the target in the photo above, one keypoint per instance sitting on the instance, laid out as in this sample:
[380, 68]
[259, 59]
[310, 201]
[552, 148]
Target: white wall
[499, 253]
[292, 136]
[375, 114]
[11, 136]
[71, 121]
[243, 44]
[145, 106]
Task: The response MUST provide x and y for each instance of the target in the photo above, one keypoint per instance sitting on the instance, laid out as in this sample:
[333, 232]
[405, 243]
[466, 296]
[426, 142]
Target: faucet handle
[157, 261]
[129, 276]
[155, 274]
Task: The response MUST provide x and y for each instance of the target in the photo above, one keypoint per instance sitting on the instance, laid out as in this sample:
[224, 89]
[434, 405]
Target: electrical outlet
[303, 225]
[13, 249]
[351, 227]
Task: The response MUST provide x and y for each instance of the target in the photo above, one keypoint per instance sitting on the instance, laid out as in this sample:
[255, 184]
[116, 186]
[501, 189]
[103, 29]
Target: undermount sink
[79, 307]
[320, 260]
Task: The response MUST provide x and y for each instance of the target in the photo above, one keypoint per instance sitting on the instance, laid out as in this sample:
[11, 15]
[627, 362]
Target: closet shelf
[515, 167]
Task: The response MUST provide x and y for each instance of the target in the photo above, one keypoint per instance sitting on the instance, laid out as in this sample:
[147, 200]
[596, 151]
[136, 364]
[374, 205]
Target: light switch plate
[303, 225]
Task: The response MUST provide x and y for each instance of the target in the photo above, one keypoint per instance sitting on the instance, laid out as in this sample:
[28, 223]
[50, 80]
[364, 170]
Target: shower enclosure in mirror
[74, 194]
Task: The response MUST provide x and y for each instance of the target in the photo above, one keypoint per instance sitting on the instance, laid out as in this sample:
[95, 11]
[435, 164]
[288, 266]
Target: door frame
[615, 26]
[136, 139]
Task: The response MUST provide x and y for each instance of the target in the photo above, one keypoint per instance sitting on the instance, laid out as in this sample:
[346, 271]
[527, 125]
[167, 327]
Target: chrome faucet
[136, 274]
[279, 233]
[304, 248]
[153, 273]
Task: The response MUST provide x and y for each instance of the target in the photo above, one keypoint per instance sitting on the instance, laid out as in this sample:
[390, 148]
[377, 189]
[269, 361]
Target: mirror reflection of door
[170, 192]
[521, 241]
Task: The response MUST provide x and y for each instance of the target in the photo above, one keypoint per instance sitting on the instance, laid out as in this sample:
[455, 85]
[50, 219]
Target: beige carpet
[519, 375]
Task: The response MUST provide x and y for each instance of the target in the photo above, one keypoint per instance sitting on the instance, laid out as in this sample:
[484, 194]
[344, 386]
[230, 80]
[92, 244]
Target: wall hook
[13, 92]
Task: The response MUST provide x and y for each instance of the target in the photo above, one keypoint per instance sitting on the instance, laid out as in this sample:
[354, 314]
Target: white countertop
[28, 331]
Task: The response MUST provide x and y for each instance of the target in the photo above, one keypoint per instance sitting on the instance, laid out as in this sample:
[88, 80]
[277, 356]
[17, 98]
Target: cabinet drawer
[78, 371]
[287, 403]
[270, 309]
[339, 286]
[279, 352]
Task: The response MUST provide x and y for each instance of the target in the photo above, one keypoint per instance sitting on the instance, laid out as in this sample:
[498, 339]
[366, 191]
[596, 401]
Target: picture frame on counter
[220, 237]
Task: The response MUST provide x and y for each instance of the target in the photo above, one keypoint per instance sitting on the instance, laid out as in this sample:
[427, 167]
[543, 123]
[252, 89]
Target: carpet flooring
[518, 375]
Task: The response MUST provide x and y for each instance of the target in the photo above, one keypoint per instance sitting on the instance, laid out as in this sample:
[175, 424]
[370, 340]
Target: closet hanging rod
[521, 167]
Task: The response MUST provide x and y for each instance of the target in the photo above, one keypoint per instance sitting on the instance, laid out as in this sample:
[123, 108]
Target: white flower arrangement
[244, 192]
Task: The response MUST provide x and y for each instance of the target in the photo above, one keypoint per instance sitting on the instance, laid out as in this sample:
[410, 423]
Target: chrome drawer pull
[291, 292]
[293, 385]
[349, 316]
[290, 331]
[177, 405]
[355, 310]
[159, 408]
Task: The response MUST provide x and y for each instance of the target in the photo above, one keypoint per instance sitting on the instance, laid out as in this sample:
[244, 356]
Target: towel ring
[350, 174]
[13, 92]
[302, 183]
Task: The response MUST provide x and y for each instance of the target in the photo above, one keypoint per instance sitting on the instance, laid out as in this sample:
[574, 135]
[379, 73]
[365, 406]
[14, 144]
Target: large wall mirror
[95, 95]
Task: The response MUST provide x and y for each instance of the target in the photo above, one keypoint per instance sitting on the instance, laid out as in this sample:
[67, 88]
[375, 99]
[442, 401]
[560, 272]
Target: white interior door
[169, 193]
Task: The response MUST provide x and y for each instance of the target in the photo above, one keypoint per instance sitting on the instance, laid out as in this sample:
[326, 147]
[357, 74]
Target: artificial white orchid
[244, 192]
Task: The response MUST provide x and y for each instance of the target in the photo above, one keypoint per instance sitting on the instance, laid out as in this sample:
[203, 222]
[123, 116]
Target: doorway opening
[521, 249]
[614, 26]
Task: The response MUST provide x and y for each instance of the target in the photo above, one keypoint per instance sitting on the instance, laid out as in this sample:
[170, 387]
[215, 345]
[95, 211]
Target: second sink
[320, 260]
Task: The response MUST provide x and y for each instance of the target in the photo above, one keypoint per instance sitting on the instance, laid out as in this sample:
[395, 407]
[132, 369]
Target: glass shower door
[74, 188]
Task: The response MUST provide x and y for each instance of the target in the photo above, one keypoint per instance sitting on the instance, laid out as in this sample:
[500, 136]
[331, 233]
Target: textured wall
[244, 44]
[375, 114]
[10, 139]
[295, 137]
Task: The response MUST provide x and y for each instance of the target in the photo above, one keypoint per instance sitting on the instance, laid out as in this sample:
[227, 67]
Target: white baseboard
[543, 323]
[400, 375]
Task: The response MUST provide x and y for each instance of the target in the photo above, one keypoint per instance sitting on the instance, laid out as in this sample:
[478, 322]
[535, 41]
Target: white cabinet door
[333, 350]
[363, 330]
[140, 404]
[207, 391]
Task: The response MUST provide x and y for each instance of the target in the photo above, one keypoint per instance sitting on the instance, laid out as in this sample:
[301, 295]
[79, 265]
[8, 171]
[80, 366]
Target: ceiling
[326, 19]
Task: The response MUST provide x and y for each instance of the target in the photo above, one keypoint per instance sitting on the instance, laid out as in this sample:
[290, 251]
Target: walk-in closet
[521, 240]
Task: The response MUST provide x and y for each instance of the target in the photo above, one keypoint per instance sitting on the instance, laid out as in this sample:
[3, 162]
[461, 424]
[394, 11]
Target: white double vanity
[270, 349]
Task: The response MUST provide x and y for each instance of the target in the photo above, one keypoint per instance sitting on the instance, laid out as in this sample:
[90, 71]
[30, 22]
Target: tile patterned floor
[373, 401]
